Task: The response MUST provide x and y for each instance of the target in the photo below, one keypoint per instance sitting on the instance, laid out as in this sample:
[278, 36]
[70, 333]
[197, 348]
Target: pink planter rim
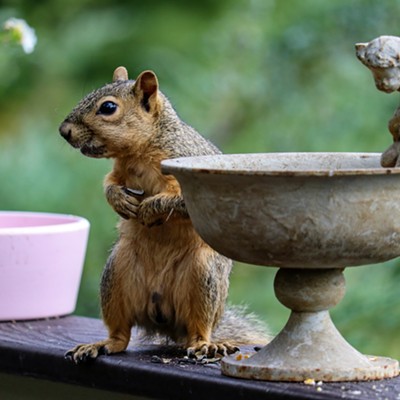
[26, 222]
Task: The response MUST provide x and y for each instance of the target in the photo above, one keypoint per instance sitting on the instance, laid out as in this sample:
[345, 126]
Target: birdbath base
[309, 346]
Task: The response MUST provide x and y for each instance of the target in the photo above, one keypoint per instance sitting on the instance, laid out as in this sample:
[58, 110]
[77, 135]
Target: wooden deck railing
[36, 349]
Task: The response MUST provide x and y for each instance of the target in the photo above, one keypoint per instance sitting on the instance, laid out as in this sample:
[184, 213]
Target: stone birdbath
[311, 215]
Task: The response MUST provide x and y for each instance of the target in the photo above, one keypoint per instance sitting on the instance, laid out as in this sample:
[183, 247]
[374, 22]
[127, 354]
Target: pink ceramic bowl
[41, 262]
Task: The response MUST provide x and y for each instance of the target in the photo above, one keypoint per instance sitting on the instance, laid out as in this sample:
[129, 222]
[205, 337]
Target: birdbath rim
[282, 164]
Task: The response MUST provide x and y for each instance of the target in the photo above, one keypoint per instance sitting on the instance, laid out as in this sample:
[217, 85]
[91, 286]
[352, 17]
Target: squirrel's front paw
[390, 157]
[150, 212]
[124, 200]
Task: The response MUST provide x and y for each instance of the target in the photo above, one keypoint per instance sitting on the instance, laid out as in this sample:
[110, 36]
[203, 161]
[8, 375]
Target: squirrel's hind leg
[206, 304]
[117, 314]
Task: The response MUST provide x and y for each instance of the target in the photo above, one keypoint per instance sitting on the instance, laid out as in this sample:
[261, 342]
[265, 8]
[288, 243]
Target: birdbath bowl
[311, 215]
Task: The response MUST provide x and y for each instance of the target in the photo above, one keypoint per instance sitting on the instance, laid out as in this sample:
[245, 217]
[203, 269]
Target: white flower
[23, 33]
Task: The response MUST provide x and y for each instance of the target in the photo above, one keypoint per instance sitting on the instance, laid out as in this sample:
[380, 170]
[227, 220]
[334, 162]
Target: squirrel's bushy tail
[238, 326]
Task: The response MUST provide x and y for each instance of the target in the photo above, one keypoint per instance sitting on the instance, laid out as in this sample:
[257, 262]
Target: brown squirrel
[160, 275]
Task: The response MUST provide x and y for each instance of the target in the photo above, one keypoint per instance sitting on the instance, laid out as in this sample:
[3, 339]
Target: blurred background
[251, 75]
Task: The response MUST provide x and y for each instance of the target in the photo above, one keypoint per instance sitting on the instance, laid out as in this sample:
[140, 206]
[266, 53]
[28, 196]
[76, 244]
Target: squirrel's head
[115, 118]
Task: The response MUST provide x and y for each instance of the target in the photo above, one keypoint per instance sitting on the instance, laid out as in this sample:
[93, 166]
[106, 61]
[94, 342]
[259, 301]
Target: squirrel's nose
[66, 131]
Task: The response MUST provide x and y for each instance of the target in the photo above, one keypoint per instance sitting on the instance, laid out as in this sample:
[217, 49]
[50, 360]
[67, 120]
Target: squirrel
[160, 275]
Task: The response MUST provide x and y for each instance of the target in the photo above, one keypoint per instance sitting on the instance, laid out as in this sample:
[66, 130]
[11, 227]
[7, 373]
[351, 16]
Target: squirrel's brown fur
[160, 275]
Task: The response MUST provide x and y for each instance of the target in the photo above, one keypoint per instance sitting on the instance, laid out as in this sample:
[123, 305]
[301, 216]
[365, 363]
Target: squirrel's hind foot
[211, 350]
[83, 353]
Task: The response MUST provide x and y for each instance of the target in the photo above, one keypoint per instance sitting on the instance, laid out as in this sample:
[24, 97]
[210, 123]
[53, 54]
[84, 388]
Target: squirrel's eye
[107, 108]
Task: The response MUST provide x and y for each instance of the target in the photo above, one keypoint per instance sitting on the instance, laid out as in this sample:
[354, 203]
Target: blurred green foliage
[252, 75]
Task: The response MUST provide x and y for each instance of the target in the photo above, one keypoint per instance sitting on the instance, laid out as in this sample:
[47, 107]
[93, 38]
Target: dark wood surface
[36, 349]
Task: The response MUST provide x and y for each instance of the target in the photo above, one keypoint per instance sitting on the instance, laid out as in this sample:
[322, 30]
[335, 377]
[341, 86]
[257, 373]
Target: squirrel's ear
[146, 86]
[120, 74]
